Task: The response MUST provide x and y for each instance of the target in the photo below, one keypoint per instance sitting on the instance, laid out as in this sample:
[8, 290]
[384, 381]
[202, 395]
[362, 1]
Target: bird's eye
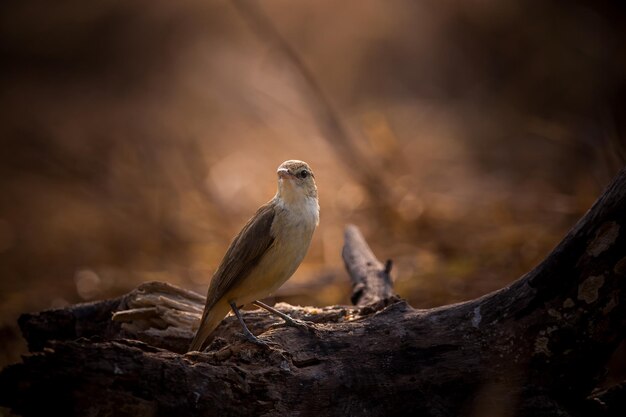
[304, 174]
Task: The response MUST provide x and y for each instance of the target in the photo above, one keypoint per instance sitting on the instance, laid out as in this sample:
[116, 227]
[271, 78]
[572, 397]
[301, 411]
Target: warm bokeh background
[137, 137]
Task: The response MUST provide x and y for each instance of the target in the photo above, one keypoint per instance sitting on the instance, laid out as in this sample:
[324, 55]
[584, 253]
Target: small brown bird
[265, 253]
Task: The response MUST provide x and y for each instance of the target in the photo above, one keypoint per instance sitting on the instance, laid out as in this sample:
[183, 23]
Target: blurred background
[137, 137]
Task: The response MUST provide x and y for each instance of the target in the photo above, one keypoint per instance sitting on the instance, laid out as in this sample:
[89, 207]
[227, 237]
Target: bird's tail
[210, 320]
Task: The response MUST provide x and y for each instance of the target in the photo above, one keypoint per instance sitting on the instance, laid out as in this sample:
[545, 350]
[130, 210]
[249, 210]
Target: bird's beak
[283, 173]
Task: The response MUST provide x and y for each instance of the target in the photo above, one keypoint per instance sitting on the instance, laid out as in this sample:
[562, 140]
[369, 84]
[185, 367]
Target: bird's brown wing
[244, 253]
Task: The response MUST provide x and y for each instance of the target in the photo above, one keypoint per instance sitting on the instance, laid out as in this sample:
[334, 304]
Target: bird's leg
[288, 320]
[246, 332]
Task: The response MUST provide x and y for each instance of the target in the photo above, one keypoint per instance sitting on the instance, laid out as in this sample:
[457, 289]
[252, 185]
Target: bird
[265, 253]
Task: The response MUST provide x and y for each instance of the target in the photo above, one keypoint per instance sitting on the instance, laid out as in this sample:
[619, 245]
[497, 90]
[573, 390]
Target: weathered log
[535, 348]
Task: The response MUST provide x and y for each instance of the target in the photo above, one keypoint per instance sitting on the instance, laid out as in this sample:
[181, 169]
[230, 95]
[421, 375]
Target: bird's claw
[258, 342]
[249, 337]
[298, 324]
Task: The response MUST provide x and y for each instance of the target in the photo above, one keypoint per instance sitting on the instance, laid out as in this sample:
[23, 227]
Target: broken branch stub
[371, 279]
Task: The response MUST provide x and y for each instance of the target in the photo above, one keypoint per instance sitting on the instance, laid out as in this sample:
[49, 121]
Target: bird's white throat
[304, 208]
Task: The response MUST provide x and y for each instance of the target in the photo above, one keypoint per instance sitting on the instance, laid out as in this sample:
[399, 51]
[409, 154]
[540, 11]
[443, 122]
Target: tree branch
[371, 282]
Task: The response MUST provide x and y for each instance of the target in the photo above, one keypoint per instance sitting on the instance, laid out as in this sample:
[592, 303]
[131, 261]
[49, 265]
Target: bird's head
[296, 180]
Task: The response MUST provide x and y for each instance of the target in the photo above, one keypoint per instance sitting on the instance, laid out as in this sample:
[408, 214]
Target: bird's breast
[292, 229]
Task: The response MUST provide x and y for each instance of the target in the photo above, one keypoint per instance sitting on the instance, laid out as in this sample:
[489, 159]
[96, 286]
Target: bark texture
[371, 282]
[535, 348]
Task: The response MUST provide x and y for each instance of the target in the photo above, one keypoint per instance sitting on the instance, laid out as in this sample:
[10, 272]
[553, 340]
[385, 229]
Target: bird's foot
[298, 324]
[270, 347]
[288, 320]
[249, 337]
